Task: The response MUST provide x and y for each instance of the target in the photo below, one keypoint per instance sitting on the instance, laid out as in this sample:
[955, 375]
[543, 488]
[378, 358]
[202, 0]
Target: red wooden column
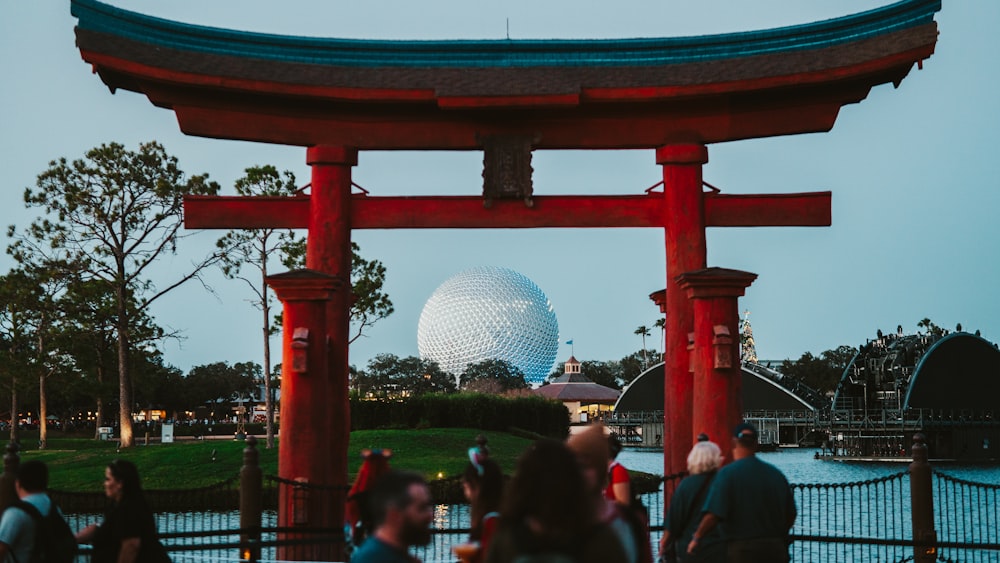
[328, 250]
[718, 399]
[304, 454]
[684, 225]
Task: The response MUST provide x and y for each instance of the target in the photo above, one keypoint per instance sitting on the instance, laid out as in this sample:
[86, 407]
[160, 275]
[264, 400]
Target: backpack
[54, 540]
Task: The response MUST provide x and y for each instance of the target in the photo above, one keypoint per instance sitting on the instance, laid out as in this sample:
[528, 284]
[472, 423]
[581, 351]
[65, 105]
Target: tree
[931, 328]
[643, 331]
[823, 372]
[255, 249]
[368, 303]
[661, 323]
[602, 373]
[388, 375]
[115, 213]
[17, 295]
[633, 365]
[492, 376]
[220, 381]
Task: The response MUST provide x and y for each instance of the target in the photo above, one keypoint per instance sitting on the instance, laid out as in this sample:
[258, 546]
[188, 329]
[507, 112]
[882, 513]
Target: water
[798, 465]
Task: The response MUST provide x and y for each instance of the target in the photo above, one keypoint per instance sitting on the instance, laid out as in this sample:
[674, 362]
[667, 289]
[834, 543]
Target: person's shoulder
[41, 501]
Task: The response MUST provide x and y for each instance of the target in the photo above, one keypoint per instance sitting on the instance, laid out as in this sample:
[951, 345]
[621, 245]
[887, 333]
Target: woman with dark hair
[128, 532]
[482, 483]
[546, 511]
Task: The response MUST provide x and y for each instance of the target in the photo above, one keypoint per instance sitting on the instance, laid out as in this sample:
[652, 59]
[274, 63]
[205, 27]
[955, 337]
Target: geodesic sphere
[489, 313]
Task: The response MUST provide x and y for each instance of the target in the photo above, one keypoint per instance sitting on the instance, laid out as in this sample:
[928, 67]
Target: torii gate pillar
[717, 398]
[684, 229]
[305, 454]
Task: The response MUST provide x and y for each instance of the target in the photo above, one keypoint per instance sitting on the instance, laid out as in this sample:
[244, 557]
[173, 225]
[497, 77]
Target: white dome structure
[489, 313]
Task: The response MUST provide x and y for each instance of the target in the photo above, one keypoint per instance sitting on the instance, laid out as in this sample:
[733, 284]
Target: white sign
[168, 433]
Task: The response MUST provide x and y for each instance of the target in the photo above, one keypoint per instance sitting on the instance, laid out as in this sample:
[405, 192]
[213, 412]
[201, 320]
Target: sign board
[168, 433]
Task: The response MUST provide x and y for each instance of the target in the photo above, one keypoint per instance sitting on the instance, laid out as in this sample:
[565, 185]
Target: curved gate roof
[614, 93]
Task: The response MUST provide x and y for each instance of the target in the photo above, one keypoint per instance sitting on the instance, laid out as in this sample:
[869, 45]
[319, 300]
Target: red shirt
[616, 474]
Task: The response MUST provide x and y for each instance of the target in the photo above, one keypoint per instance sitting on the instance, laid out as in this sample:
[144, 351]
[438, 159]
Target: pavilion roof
[584, 392]
[234, 84]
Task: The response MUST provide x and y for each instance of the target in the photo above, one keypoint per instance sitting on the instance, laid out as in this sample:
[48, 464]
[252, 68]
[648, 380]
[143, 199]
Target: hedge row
[464, 410]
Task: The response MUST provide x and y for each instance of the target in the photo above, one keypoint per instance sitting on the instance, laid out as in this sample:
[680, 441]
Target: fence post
[11, 461]
[251, 491]
[922, 503]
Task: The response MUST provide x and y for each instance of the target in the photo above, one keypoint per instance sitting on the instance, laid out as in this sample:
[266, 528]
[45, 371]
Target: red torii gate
[507, 98]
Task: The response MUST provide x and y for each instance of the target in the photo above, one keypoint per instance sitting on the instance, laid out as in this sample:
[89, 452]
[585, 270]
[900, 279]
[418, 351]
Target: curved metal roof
[762, 390]
[959, 371]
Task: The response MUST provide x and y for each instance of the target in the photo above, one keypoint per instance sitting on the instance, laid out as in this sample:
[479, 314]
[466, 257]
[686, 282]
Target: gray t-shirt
[17, 528]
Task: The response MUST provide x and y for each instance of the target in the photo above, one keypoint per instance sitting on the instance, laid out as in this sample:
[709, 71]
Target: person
[619, 487]
[17, 527]
[751, 502]
[593, 453]
[356, 513]
[401, 508]
[684, 513]
[547, 515]
[482, 483]
[128, 533]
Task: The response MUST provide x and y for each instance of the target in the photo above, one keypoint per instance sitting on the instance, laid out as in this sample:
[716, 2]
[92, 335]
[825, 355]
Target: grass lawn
[77, 464]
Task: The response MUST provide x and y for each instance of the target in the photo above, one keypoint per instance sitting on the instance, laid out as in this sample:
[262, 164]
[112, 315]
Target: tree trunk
[268, 402]
[43, 411]
[99, 406]
[13, 409]
[124, 380]
[98, 419]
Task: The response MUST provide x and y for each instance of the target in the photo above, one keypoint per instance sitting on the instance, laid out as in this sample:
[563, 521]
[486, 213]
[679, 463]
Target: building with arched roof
[784, 410]
[945, 385]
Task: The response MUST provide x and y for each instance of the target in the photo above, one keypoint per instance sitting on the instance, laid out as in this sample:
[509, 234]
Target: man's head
[744, 440]
[401, 508]
[32, 477]
[593, 454]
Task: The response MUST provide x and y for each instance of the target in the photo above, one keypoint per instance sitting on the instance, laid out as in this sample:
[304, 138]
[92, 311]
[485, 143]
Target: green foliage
[602, 373]
[492, 376]
[107, 218]
[220, 380]
[388, 375]
[369, 304]
[463, 410]
[821, 373]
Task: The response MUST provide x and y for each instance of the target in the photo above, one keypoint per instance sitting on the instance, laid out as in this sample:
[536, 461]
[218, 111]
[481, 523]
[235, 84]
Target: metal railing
[919, 515]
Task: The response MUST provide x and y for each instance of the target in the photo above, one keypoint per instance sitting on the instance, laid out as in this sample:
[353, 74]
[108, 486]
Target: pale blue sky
[914, 173]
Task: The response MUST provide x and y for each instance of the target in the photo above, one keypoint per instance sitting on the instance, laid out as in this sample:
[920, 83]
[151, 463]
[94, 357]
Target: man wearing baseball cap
[752, 504]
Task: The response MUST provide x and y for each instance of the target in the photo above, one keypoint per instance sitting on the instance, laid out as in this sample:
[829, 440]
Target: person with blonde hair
[686, 506]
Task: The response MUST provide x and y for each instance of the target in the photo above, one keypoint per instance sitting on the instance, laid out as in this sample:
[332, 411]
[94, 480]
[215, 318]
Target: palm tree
[643, 331]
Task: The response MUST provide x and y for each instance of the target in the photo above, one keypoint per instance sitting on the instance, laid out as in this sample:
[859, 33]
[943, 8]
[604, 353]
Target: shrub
[536, 415]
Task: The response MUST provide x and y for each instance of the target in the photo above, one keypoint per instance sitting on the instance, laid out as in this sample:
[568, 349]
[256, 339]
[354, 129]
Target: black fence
[920, 515]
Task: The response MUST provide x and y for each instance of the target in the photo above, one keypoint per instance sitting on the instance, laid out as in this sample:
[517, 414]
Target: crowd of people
[566, 502]
[127, 534]
[572, 502]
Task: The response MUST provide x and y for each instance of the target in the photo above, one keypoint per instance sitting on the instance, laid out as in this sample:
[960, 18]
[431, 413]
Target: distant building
[584, 399]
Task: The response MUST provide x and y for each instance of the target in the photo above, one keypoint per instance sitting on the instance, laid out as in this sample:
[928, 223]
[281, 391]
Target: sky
[914, 172]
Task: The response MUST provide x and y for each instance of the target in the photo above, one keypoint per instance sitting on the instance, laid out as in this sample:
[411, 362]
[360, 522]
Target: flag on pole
[570, 342]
